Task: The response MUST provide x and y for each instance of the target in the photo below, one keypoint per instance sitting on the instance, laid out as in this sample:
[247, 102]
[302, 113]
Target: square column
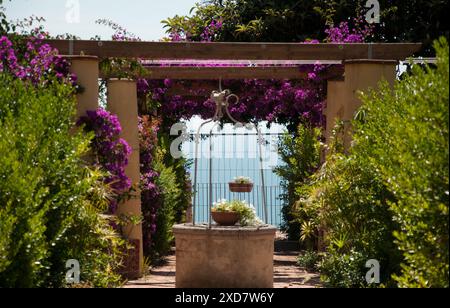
[343, 99]
[335, 106]
[343, 96]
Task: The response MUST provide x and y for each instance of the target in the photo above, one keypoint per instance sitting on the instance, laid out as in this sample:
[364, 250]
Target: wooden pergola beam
[215, 73]
[199, 73]
[237, 51]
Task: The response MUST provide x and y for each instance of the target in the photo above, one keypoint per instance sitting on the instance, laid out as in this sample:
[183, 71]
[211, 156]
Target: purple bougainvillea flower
[112, 152]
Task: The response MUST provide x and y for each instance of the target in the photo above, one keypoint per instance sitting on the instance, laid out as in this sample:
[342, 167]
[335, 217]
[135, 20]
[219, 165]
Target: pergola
[358, 67]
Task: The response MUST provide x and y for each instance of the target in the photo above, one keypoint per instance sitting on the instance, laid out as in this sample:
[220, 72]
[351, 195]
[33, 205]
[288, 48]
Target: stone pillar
[343, 95]
[87, 71]
[360, 75]
[343, 99]
[335, 106]
[122, 101]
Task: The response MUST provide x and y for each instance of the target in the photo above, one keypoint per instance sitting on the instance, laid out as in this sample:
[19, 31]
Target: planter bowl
[225, 218]
[241, 188]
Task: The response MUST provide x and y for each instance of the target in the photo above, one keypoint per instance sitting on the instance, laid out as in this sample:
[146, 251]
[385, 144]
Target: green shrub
[408, 133]
[344, 270]
[301, 158]
[49, 202]
[165, 216]
[387, 199]
[173, 200]
[350, 205]
[179, 167]
[309, 260]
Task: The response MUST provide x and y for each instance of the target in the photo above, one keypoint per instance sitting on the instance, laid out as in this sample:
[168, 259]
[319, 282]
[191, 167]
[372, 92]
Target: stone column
[360, 75]
[335, 106]
[343, 99]
[122, 101]
[343, 94]
[87, 71]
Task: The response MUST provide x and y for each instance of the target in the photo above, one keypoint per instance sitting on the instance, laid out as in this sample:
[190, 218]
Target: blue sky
[142, 17]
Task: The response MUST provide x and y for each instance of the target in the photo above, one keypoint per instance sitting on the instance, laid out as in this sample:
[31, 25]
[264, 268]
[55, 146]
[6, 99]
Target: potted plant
[241, 184]
[229, 213]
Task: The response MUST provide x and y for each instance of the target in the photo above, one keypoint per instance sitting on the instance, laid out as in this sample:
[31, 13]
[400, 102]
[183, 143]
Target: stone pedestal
[224, 257]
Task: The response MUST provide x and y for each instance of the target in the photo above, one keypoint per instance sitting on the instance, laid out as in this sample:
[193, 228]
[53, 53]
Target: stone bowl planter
[241, 188]
[225, 218]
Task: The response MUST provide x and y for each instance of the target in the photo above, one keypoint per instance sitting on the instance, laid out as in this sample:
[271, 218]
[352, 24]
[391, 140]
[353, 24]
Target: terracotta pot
[241, 188]
[225, 218]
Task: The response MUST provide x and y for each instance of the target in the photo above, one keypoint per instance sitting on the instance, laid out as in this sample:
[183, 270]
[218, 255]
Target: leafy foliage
[309, 260]
[50, 202]
[349, 202]
[271, 21]
[298, 21]
[165, 191]
[301, 158]
[387, 199]
[408, 134]
[165, 215]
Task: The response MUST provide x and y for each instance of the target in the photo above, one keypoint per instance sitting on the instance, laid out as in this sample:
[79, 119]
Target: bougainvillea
[344, 34]
[150, 193]
[110, 151]
[211, 30]
[288, 102]
[37, 62]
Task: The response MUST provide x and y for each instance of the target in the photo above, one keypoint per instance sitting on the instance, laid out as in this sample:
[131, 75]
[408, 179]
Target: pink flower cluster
[39, 62]
[281, 101]
[343, 34]
[150, 192]
[288, 102]
[110, 150]
[211, 30]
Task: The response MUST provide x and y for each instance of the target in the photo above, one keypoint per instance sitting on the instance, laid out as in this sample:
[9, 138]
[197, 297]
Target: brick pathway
[286, 274]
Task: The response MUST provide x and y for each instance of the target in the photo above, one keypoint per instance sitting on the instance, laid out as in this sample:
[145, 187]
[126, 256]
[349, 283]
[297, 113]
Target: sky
[141, 17]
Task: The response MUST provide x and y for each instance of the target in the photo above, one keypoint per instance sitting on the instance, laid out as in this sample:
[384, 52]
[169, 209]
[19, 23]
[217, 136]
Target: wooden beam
[192, 89]
[237, 51]
[216, 73]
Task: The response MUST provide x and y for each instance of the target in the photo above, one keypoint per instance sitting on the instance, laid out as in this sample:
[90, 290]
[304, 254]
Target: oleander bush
[50, 202]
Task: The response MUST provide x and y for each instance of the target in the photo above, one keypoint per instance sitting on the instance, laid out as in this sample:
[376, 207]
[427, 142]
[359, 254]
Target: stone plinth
[224, 257]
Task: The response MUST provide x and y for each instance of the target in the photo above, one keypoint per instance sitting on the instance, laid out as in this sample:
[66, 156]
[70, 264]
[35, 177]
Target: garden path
[286, 274]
